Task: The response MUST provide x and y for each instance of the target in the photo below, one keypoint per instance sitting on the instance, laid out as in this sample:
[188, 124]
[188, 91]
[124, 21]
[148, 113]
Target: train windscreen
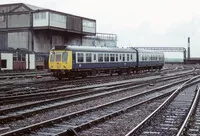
[58, 56]
[64, 56]
[52, 56]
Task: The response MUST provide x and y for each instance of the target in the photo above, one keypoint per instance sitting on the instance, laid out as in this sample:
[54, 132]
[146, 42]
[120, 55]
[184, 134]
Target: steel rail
[166, 102]
[192, 108]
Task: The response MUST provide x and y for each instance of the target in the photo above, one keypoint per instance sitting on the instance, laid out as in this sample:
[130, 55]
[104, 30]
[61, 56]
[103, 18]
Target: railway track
[97, 113]
[37, 86]
[191, 125]
[91, 94]
[30, 87]
[171, 117]
[23, 75]
[60, 91]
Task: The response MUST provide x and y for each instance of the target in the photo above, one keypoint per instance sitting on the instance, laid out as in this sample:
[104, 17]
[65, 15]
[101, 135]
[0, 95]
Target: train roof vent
[60, 47]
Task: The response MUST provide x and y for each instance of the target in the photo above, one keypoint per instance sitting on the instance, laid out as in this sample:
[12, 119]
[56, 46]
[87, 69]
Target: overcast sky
[165, 23]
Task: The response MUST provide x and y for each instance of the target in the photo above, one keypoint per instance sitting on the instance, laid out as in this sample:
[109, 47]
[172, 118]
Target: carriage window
[80, 57]
[88, 57]
[131, 57]
[52, 56]
[64, 56]
[112, 57]
[58, 56]
[100, 57]
[123, 57]
[120, 57]
[142, 57]
[116, 57]
[94, 57]
[106, 57]
[127, 57]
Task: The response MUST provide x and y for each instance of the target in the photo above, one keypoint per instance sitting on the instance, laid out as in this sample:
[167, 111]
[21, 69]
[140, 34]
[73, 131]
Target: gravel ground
[125, 94]
[122, 124]
[63, 111]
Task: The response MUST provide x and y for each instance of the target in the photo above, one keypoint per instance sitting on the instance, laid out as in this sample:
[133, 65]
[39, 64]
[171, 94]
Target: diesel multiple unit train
[75, 61]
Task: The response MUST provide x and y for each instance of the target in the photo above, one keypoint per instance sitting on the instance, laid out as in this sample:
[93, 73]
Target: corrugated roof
[33, 7]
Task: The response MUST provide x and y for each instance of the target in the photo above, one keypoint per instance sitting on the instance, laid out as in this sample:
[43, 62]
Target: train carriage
[150, 59]
[69, 61]
[73, 61]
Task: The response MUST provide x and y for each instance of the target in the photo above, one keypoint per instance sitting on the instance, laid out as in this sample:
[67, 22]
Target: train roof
[92, 48]
[149, 51]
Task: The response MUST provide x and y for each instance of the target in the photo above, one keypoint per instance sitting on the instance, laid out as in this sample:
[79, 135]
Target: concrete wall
[42, 41]
[32, 61]
[58, 40]
[45, 40]
[18, 40]
[21, 20]
[9, 58]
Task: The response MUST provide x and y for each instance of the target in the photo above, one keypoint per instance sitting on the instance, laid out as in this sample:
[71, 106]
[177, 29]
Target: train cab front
[59, 63]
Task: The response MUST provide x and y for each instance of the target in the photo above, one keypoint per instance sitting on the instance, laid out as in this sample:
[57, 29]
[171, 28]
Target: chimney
[188, 48]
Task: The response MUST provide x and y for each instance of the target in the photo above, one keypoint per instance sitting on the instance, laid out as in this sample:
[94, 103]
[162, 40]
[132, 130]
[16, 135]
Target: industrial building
[38, 29]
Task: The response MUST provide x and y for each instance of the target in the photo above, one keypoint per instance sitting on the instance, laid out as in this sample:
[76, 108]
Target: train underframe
[71, 74]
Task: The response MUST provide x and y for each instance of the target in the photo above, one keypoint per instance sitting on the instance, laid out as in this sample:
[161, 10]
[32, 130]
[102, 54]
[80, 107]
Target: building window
[58, 17]
[2, 18]
[80, 57]
[36, 16]
[3, 63]
[43, 15]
